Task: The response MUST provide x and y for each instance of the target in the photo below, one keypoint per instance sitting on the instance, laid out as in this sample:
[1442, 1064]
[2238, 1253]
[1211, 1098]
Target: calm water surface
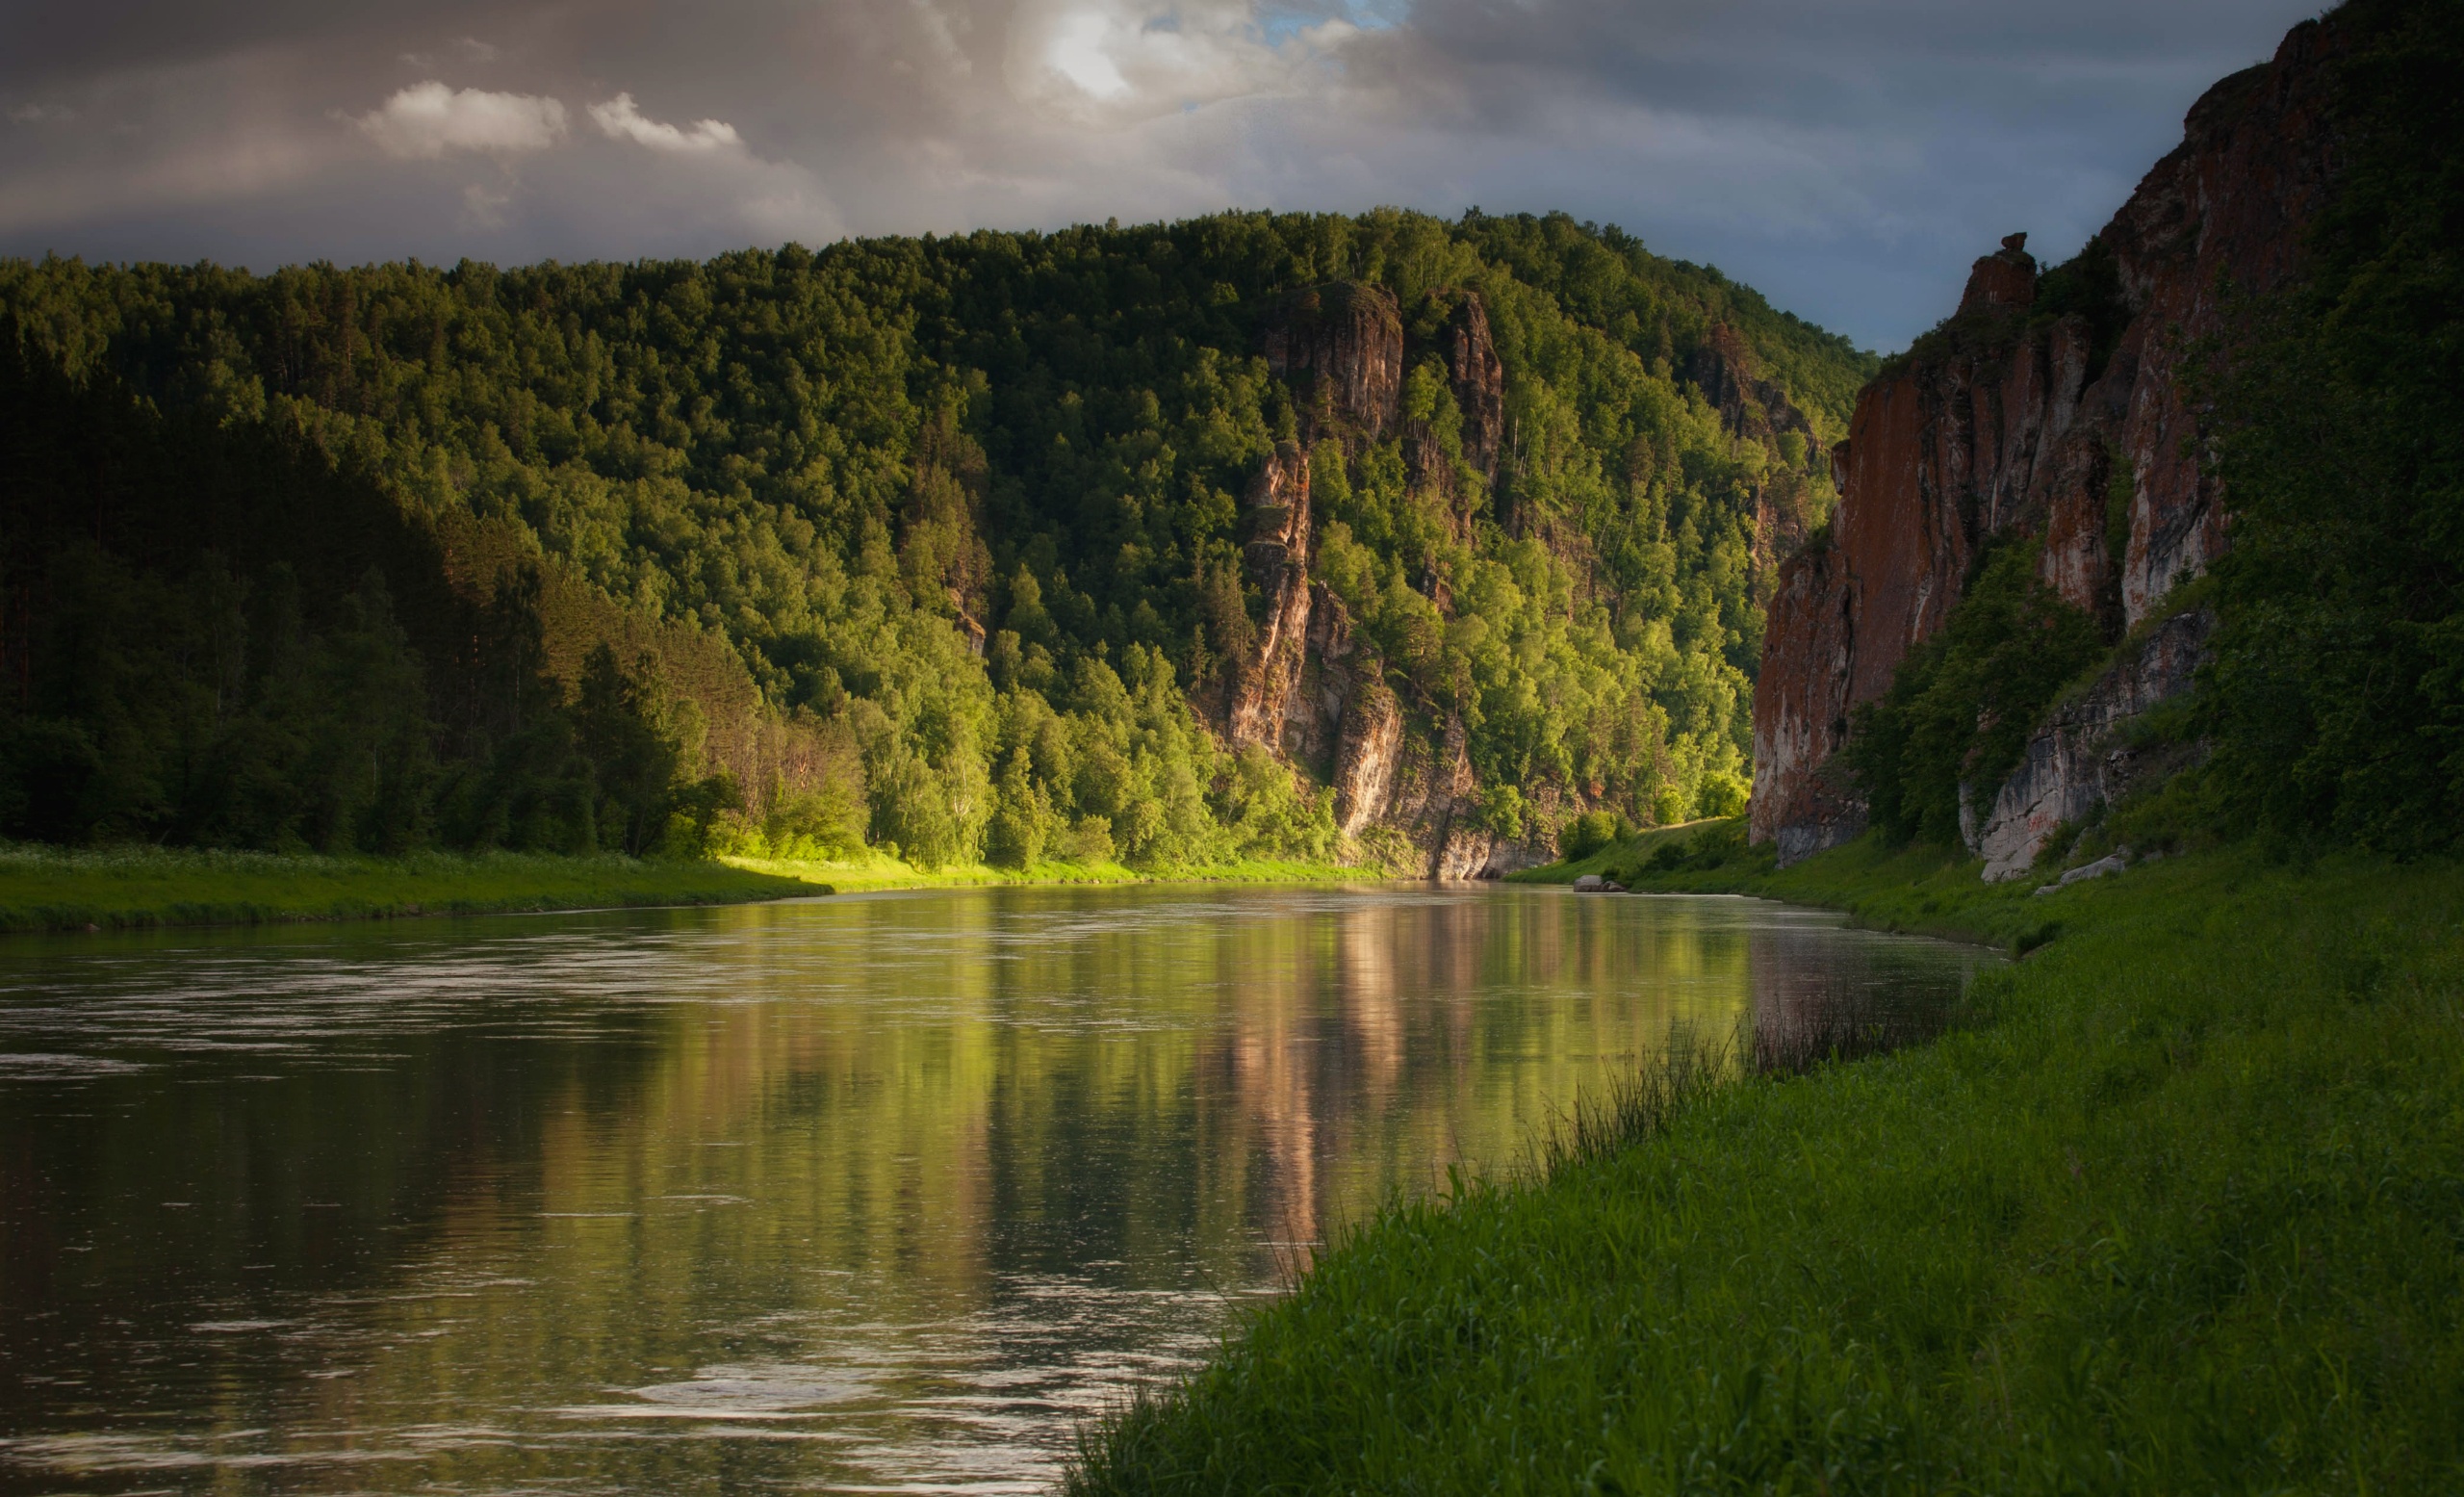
[882, 1191]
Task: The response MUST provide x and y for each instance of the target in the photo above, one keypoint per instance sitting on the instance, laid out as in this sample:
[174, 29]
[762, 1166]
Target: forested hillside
[937, 542]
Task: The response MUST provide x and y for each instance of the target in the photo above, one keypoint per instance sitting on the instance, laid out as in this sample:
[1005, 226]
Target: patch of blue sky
[1280, 23]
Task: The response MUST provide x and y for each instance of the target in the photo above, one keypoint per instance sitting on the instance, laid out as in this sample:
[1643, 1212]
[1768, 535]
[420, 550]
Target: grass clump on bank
[2181, 1209]
[118, 889]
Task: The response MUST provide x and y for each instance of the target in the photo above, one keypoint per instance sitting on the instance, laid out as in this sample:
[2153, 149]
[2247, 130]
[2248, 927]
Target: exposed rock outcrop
[1730, 378]
[1310, 692]
[1478, 380]
[1278, 554]
[2007, 420]
[1340, 348]
[2084, 758]
[1366, 757]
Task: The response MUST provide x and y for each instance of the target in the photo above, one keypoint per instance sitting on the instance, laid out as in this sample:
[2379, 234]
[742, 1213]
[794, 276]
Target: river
[883, 1192]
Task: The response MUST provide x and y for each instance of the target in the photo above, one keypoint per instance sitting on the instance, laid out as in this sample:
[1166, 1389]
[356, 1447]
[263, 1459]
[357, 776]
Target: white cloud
[620, 120]
[1111, 64]
[1076, 52]
[428, 119]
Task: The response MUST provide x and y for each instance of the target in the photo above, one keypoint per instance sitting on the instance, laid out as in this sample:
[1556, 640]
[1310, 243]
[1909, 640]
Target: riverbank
[879, 871]
[1920, 889]
[2175, 1209]
[50, 888]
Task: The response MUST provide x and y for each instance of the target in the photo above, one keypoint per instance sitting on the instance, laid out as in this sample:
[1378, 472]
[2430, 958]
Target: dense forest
[932, 544]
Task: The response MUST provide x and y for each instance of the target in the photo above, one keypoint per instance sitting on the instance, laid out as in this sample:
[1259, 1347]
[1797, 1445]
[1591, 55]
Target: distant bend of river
[859, 1194]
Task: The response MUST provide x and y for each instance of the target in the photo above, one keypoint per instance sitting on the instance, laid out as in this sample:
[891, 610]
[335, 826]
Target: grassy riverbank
[1919, 888]
[119, 889]
[2180, 1208]
[878, 870]
[49, 888]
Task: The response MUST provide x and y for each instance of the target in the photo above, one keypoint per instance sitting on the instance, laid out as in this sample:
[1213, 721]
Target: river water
[884, 1192]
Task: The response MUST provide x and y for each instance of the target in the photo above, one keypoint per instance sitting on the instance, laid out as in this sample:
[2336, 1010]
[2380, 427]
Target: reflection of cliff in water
[642, 1201]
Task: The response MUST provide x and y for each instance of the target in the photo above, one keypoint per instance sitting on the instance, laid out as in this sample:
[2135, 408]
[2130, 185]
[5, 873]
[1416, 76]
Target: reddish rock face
[1997, 425]
[2222, 216]
[2004, 279]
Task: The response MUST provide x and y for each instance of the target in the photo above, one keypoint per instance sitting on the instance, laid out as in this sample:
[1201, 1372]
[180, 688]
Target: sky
[1849, 158]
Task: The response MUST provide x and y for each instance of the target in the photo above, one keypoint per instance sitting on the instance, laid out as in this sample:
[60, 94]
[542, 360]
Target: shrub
[1587, 833]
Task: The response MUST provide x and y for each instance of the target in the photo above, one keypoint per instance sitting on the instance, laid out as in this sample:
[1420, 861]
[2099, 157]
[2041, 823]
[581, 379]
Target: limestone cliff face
[1278, 554]
[2083, 758]
[2006, 421]
[1311, 692]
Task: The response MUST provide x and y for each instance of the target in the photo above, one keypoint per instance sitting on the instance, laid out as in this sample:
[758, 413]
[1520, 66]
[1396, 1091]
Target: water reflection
[853, 1194]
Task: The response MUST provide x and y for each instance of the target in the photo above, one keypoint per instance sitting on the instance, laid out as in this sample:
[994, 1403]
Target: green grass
[2178, 1207]
[51, 889]
[54, 888]
[875, 870]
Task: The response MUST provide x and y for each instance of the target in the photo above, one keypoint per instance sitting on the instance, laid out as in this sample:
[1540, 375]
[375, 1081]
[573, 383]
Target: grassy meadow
[2179, 1206]
[50, 888]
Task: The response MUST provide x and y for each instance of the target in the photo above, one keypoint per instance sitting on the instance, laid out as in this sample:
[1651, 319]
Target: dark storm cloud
[1848, 159]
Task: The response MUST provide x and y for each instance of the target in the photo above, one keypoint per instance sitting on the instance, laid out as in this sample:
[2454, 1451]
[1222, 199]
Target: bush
[1961, 705]
[1587, 833]
[1721, 795]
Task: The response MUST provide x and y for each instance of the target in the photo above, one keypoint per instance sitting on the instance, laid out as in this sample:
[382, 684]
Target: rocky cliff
[2051, 405]
[1311, 691]
[1341, 348]
[2086, 756]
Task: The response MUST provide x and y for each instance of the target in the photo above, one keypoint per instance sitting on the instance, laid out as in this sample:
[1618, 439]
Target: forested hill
[943, 542]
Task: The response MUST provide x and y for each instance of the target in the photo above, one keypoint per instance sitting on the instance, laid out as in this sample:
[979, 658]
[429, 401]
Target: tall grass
[2179, 1207]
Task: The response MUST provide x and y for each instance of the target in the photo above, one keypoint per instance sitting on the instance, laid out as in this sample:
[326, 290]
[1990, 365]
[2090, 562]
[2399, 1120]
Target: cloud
[620, 120]
[1848, 157]
[428, 119]
[1076, 50]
